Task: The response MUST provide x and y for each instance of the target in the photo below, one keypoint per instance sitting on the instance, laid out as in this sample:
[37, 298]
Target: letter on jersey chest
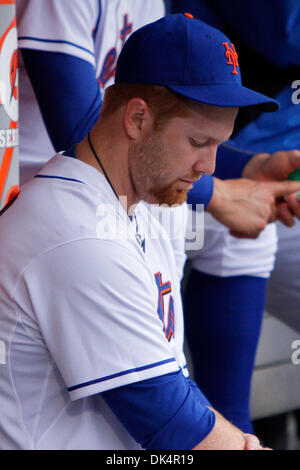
[164, 294]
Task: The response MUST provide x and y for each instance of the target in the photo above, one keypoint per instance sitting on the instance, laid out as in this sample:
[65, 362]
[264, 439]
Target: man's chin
[169, 197]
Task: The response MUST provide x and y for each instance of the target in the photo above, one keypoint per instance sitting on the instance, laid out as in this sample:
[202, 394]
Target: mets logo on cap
[232, 57]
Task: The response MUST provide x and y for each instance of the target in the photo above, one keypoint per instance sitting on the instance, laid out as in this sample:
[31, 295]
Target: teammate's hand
[246, 206]
[276, 167]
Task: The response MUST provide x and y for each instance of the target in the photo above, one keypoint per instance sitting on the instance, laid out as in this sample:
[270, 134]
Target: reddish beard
[169, 195]
[150, 173]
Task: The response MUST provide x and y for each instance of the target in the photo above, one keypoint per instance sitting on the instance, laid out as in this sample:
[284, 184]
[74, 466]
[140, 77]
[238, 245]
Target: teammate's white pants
[283, 299]
[223, 255]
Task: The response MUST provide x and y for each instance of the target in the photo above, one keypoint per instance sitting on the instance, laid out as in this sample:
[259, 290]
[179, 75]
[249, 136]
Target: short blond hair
[162, 102]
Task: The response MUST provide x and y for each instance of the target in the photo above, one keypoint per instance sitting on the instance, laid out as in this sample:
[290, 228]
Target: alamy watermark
[182, 224]
[2, 352]
[296, 94]
[296, 354]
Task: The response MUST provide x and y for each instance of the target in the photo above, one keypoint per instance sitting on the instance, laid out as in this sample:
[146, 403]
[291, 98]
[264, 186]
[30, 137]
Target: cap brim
[226, 96]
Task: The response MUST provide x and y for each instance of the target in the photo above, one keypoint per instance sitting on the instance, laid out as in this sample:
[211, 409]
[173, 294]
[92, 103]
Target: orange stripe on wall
[12, 25]
[7, 2]
[7, 156]
[2, 39]
[13, 192]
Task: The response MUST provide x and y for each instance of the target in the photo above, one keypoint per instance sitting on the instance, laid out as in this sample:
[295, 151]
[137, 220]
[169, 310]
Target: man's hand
[246, 206]
[226, 436]
[276, 167]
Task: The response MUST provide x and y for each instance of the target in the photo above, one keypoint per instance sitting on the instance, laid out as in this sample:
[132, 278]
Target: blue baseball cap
[190, 58]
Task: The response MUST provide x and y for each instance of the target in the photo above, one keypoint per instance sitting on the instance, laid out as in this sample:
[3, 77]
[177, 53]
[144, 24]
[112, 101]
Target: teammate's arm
[246, 206]
[57, 42]
[67, 92]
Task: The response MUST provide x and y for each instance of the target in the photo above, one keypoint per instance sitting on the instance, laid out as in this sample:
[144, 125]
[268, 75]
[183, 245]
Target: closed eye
[196, 143]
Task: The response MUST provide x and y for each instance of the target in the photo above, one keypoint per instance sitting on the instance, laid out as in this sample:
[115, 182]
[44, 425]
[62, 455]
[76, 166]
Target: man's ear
[137, 118]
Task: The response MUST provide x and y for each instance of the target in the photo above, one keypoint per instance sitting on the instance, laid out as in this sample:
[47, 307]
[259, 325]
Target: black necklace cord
[139, 238]
[100, 164]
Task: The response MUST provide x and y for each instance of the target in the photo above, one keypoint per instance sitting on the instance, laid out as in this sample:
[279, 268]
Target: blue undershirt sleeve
[67, 92]
[163, 413]
[231, 162]
[201, 192]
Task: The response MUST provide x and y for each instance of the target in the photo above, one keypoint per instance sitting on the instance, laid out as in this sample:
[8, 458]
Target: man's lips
[190, 181]
[187, 184]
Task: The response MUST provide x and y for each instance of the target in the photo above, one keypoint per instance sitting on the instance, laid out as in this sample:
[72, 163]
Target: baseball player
[91, 315]
[234, 270]
[65, 46]
[70, 50]
[69, 43]
[59, 52]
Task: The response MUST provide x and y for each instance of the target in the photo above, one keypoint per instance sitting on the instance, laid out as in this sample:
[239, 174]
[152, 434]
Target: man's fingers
[294, 159]
[274, 214]
[294, 205]
[284, 215]
[253, 234]
[283, 188]
[252, 442]
[283, 163]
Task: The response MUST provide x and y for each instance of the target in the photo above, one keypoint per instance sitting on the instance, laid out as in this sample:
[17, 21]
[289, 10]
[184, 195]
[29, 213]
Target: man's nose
[207, 163]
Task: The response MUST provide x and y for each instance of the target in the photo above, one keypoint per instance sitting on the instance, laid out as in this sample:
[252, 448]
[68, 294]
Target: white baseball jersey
[92, 30]
[86, 305]
[174, 222]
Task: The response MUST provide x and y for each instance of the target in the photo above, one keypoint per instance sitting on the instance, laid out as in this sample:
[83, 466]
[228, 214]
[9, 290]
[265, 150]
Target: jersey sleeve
[147, 12]
[93, 302]
[179, 417]
[58, 26]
